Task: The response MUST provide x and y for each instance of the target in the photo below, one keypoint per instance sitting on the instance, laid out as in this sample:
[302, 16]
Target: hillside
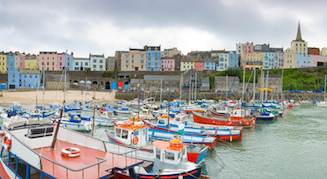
[293, 79]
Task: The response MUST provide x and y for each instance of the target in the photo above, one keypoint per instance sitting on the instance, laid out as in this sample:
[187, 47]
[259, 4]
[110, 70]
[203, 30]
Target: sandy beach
[28, 97]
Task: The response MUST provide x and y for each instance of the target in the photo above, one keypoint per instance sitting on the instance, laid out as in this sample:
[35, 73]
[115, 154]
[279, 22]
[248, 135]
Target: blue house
[10, 61]
[23, 79]
[153, 57]
[268, 60]
[13, 79]
[69, 62]
[303, 60]
[233, 60]
[209, 64]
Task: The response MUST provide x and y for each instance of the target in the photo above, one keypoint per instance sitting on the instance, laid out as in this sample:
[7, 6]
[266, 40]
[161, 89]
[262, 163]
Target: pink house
[60, 61]
[248, 47]
[278, 60]
[198, 66]
[48, 61]
[167, 64]
[22, 62]
[318, 60]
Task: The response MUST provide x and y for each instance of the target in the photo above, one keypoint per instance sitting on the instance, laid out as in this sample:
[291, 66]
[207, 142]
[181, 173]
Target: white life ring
[70, 152]
[6, 142]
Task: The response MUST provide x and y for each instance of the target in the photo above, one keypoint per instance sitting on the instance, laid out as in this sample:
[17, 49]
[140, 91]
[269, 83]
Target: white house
[97, 63]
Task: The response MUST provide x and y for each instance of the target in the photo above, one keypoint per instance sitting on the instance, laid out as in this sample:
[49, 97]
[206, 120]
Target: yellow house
[289, 58]
[3, 63]
[324, 51]
[187, 64]
[31, 64]
[257, 59]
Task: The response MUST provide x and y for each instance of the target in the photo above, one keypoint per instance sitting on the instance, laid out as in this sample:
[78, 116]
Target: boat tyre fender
[70, 152]
[135, 140]
[6, 143]
[202, 129]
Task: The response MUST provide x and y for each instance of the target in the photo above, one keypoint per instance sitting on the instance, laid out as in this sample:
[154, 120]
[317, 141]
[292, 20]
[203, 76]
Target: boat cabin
[171, 153]
[180, 118]
[131, 134]
[222, 109]
[237, 114]
[107, 114]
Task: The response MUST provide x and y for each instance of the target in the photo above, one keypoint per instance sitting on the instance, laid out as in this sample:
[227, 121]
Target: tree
[88, 69]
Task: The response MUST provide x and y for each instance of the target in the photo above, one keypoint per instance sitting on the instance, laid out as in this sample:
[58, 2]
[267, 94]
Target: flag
[136, 88]
[180, 132]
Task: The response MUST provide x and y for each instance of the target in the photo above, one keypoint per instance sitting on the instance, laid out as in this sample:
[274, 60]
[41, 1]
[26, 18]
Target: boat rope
[230, 89]
[192, 175]
[214, 153]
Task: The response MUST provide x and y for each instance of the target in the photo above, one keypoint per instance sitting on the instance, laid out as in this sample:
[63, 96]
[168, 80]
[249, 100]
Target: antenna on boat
[58, 125]
[94, 86]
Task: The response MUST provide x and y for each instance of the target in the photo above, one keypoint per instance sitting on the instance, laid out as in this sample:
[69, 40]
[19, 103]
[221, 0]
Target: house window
[126, 56]
[94, 66]
[142, 61]
[13, 75]
[94, 60]
[132, 61]
[126, 61]
[132, 56]
[86, 64]
[60, 58]
[42, 63]
[100, 66]
[13, 80]
[35, 76]
[60, 63]
[76, 63]
[126, 66]
[52, 63]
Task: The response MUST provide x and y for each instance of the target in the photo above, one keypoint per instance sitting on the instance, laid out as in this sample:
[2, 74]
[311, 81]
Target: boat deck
[87, 157]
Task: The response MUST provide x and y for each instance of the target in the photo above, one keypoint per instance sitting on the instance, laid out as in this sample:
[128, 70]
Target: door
[136, 68]
[11, 86]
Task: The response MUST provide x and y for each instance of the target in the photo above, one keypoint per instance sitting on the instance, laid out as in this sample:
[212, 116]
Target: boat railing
[74, 170]
[127, 151]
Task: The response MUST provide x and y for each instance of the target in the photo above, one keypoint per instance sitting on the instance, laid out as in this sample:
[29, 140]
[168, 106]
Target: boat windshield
[158, 153]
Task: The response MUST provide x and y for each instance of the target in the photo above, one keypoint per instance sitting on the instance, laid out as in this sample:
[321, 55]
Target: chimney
[24, 53]
[72, 53]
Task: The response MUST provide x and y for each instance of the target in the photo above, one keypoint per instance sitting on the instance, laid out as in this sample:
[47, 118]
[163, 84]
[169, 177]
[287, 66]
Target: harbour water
[292, 146]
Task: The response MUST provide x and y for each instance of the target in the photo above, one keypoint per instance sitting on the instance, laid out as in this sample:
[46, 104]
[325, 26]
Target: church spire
[298, 36]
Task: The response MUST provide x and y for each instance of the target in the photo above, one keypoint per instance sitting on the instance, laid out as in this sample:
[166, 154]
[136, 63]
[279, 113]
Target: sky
[104, 26]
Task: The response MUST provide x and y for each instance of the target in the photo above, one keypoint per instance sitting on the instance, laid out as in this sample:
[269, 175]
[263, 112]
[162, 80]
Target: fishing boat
[265, 115]
[192, 108]
[134, 136]
[122, 110]
[179, 124]
[237, 118]
[145, 113]
[39, 150]
[74, 122]
[220, 111]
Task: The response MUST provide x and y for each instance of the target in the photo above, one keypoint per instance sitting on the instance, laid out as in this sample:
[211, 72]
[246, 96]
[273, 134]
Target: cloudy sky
[104, 26]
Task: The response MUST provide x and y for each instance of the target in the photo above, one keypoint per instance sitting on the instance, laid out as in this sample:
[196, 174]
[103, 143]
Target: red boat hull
[216, 121]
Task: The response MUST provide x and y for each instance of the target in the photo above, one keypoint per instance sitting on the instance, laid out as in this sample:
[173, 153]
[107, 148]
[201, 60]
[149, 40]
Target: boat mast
[94, 86]
[195, 84]
[43, 85]
[168, 104]
[57, 128]
[180, 90]
[189, 91]
[65, 86]
[254, 86]
[138, 102]
[281, 93]
[160, 90]
[243, 84]
[262, 85]
[325, 89]
[226, 87]
[266, 94]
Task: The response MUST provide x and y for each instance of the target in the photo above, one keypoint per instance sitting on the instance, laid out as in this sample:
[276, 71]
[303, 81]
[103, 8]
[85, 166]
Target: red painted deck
[87, 157]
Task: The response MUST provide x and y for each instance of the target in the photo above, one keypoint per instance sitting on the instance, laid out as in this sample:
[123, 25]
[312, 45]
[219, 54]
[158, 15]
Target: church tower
[299, 45]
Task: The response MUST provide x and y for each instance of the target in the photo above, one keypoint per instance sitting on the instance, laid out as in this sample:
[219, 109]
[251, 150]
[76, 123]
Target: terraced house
[153, 56]
[133, 60]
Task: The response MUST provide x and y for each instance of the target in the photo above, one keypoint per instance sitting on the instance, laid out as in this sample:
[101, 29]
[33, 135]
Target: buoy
[70, 152]
[135, 140]
[6, 143]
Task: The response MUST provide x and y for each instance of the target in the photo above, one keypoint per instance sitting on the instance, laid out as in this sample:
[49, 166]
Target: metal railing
[75, 170]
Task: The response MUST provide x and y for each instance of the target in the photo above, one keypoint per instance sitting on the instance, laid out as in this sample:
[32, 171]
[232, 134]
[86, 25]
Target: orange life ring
[7, 142]
[70, 152]
[135, 140]
[208, 132]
